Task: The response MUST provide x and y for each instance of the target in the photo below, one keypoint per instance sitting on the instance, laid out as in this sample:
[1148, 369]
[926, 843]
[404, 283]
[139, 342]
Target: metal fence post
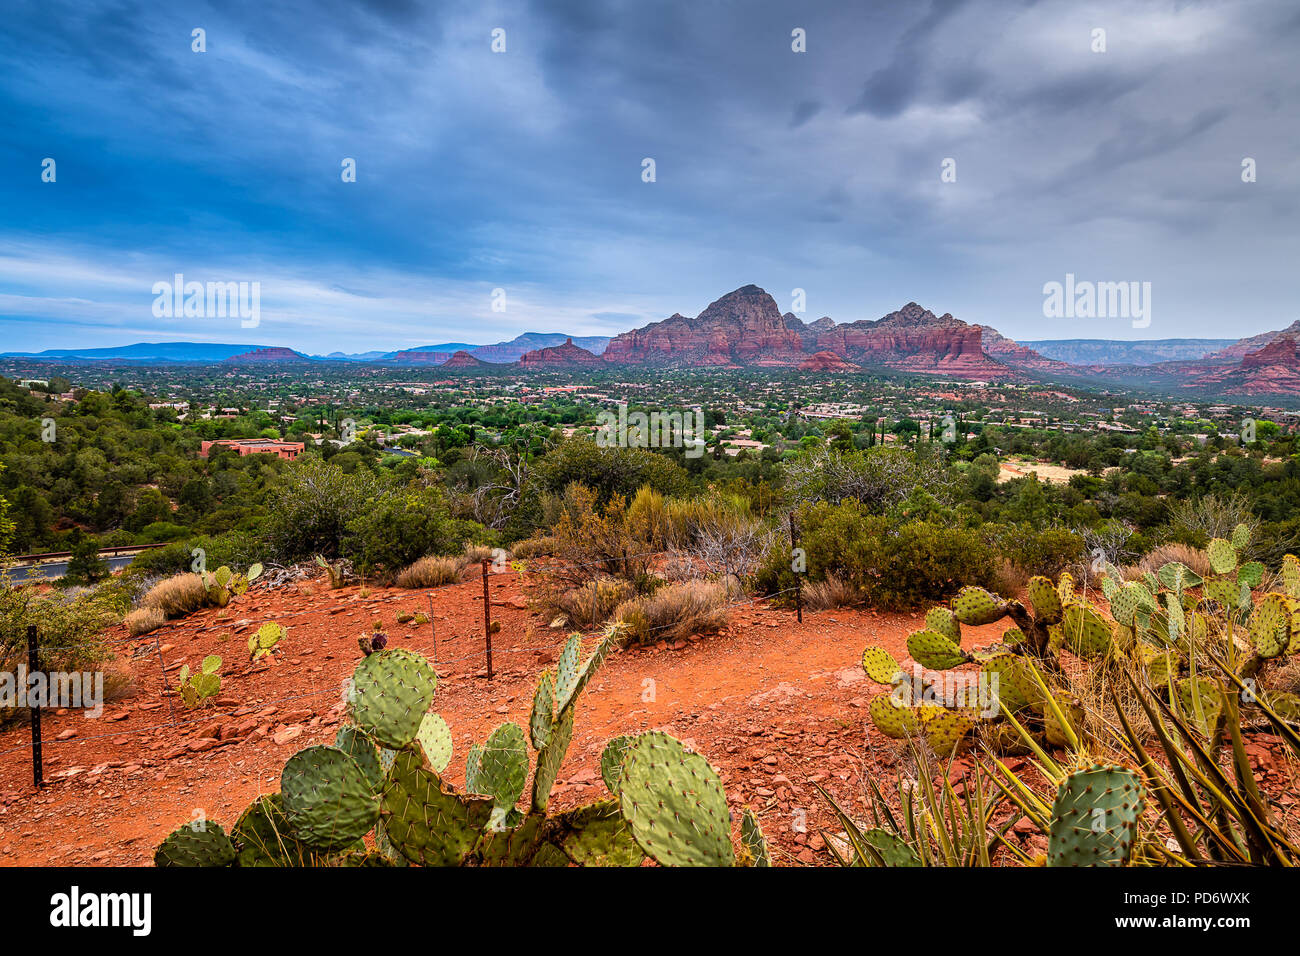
[33, 666]
[487, 618]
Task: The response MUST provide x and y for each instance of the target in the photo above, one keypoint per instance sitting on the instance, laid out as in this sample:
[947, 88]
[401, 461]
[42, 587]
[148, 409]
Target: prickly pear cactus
[1095, 817]
[675, 804]
[327, 798]
[196, 845]
[391, 690]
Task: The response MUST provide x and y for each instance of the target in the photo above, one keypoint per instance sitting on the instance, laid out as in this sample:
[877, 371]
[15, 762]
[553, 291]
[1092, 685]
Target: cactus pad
[752, 840]
[943, 621]
[892, 848]
[391, 691]
[946, 731]
[264, 837]
[1014, 686]
[361, 748]
[549, 759]
[597, 835]
[976, 606]
[327, 798]
[503, 766]
[880, 665]
[435, 740]
[1045, 599]
[891, 719]
[1291, 575]
[1095, 817]
[425, 822]
[1071, 710]
[1270, 626]
[1223, 556]
[1065, 587]
[934, 651]
[1087, 633]
[190, 846]
[674, 804]
[611, 761]
[543, 713]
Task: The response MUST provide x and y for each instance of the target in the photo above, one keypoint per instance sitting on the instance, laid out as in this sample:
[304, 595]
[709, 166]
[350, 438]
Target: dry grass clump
[591, 605]
[1009, 579]
[431, 571]
[477, 554]
[674, 611]
[177, 596]
[536, 546]
[143, 620]
[1194, 558]
[831, 593]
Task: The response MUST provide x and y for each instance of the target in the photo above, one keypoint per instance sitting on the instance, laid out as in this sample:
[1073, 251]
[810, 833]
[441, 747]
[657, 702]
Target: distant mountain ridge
[1125, 352]
[746, 329]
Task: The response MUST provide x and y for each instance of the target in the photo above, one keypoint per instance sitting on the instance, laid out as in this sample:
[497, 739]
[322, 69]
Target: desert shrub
[477, 554]
[593, 539]
[878, 478]
[311, 509]
[1049, 551]
[70, 627]
[1211, 516]
[608, 472]
[143, 620]
[829, 593]
[894, 565]
[431, 571]
[536, 546]
[399, 525]
[593, 603]
[177, 596]
[674, 611]
[234, 549]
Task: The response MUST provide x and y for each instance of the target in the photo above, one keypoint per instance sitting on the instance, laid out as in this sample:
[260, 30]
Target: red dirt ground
[775, 706]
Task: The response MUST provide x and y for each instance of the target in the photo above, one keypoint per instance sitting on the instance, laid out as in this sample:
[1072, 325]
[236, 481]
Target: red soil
[775, 705]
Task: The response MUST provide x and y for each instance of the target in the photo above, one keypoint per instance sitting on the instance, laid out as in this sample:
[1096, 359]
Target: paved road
[57, 569]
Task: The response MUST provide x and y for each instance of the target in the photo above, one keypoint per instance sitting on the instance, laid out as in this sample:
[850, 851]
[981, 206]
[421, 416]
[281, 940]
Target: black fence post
[34, 666]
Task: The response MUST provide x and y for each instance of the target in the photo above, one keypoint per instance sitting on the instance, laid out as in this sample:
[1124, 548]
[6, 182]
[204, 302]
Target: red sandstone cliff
[745, 328]
[567, 355]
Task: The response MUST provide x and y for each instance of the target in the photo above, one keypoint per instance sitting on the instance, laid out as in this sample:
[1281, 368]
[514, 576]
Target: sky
[958, 154]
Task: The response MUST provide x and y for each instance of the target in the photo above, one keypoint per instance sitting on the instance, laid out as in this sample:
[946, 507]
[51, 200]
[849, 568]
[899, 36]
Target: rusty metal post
[798, 578]
[487, 618]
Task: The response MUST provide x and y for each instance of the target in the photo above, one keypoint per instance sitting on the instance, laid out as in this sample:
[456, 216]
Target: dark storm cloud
[523, 170]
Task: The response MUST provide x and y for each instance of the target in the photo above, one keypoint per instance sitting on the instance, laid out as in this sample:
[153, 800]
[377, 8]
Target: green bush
[1048, 552]
[399, 526]
[70, 627]
[893, 565]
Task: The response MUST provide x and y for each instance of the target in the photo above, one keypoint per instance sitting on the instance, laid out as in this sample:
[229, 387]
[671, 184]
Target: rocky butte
[746, 329]
[567, 355]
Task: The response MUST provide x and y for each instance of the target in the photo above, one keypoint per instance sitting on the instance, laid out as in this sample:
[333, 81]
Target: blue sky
[522, 170]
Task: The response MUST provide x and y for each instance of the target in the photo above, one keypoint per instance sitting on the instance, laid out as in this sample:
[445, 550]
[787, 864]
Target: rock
[287, 734]
[201, 744]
